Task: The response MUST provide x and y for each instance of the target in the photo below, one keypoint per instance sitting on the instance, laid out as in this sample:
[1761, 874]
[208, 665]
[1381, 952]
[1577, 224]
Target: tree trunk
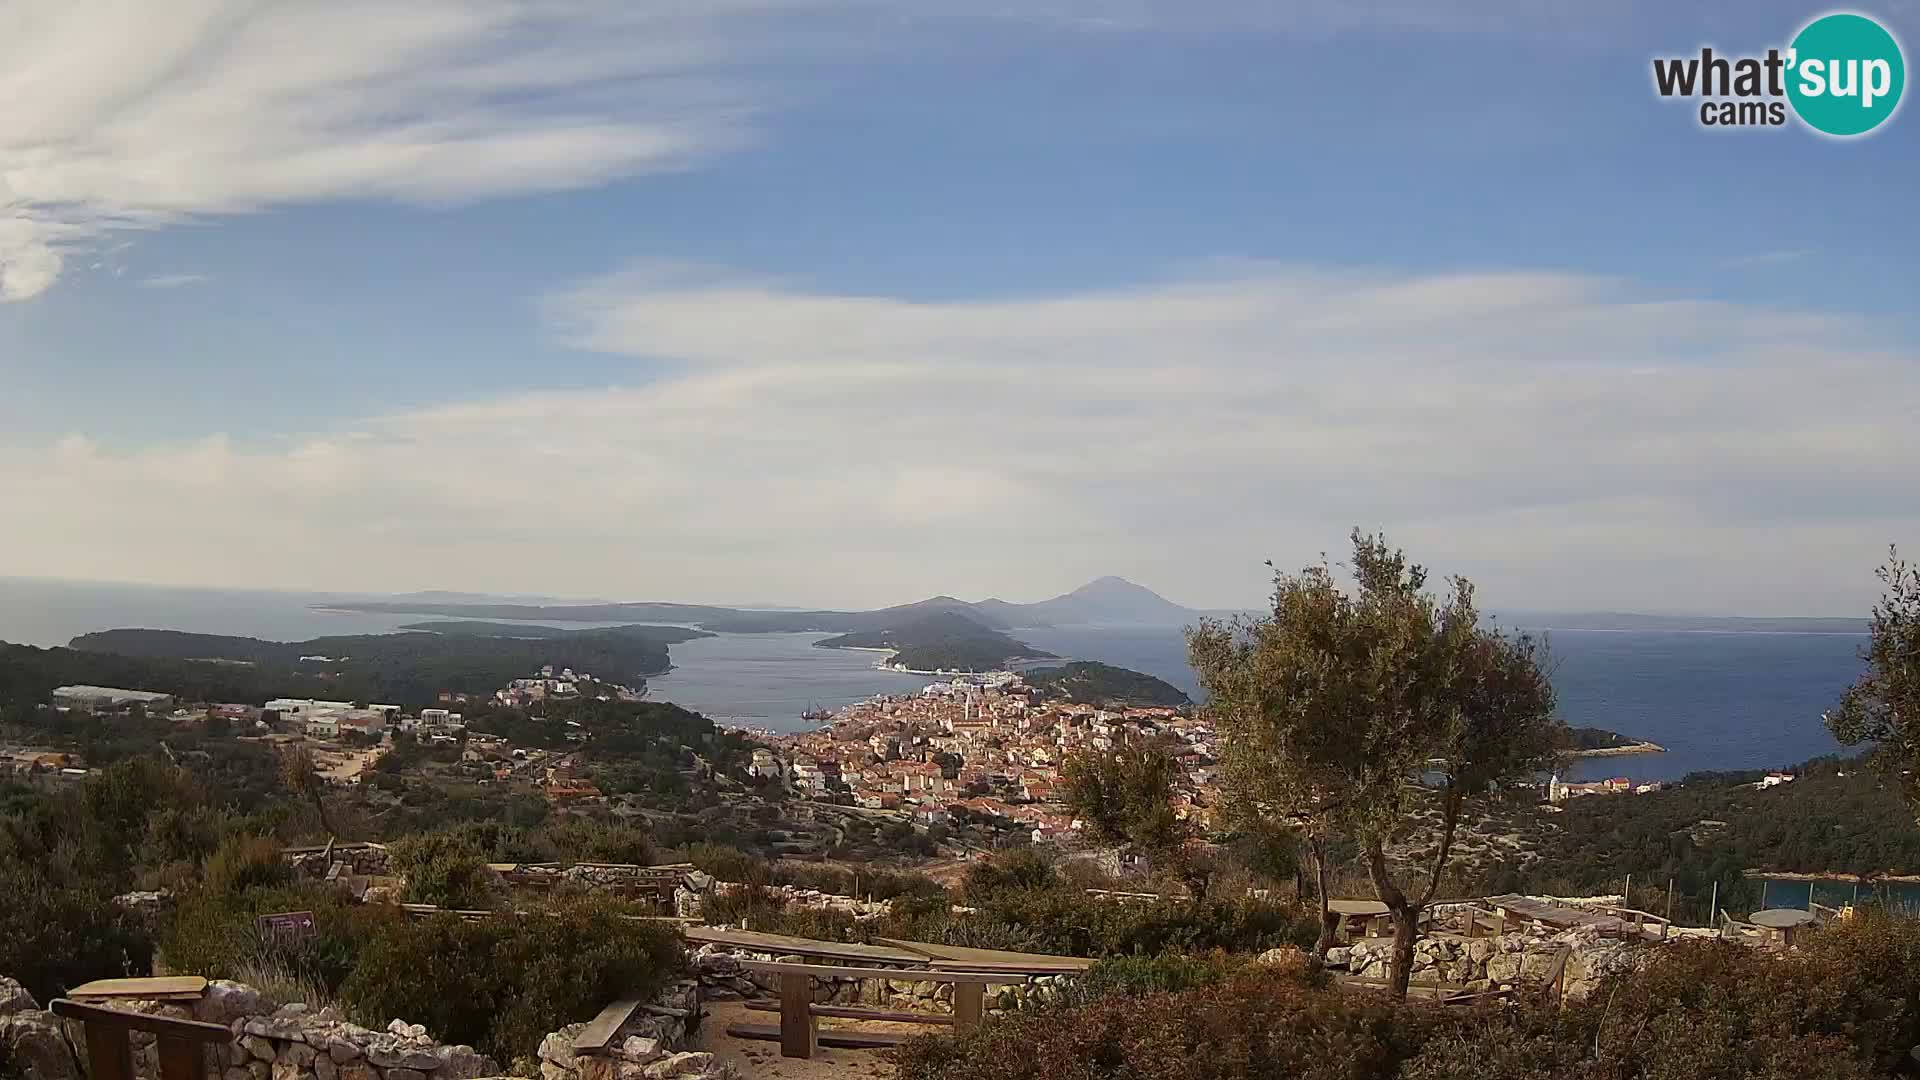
[1329, 922]
[1405, 928]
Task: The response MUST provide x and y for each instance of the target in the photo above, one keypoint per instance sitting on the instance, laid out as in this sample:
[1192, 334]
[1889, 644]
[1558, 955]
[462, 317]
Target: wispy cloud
[127, 114]
[174, 281]
[123, 114]
[1569, 440]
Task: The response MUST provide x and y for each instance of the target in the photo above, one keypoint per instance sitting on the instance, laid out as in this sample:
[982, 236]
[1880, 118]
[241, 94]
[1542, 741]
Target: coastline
[885, 664]
[1783, 875]
[1642, 747]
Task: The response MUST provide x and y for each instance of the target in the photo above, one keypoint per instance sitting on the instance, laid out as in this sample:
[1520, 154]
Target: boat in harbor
[817, 714]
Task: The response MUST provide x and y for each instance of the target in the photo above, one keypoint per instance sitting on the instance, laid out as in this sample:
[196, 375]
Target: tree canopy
[1333, 707]
[1883, 707]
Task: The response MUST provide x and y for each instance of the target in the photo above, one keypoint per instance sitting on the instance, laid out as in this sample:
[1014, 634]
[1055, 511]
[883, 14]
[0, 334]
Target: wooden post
[1626, 898]
[1713, 907]
[969, 1005]
[181, 1059]
[109, 1053]
[798, 1028]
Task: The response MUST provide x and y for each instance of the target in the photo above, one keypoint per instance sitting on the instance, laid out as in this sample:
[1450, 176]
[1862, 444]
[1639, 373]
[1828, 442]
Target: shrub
[1846, 1006]
[55, 934]
[216, 934]
[445, 869]
[246, 862]
[1248, 1027]
[502, 983]
[1166, 973]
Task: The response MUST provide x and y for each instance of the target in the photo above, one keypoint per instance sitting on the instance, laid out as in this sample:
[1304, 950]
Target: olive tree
[1334, 707]
[1124, 795]
[1883, 707]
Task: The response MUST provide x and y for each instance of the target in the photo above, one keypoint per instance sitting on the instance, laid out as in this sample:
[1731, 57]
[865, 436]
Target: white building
[107, 697]
[302, 708]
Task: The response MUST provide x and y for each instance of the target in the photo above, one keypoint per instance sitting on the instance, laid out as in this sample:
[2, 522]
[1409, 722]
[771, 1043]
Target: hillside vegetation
[408, 669]
[1100, 684]
[942, 642]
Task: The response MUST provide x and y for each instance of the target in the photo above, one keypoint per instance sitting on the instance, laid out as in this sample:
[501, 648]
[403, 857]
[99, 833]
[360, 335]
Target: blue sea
[1715, 700]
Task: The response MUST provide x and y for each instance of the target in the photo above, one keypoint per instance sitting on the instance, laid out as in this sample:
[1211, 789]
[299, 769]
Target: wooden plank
[593, 1038]
[838, 1038]
[96, 1016]
[955, 957]
[798, 1028]
[1002, 974]
[856, 1012]
[799, 946]
[828, 971]
[155, 988]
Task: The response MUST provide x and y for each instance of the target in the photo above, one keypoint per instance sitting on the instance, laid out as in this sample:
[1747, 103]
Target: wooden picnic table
[1784, 921]
[1362, 918]
[1526, 909]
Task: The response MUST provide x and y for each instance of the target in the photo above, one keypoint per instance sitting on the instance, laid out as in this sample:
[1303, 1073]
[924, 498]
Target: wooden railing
[1641, 920]
[181, 1043]
[799, 1031]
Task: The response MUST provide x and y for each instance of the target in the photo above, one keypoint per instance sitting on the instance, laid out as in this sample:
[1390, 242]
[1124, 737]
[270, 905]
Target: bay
[1716, 700]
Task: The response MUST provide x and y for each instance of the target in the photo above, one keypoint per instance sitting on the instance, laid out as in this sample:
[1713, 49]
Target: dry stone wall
[723, 978]
[1490, 962]
[293, 1042]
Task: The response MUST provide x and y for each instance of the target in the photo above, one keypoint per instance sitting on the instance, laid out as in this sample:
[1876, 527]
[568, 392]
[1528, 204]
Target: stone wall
[363, 859]
[646, 1047]
[688, 897]
[1491, 962]
[722, 978]
[293, 1042]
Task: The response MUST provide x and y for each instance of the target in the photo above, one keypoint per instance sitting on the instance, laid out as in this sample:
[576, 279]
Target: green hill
[947, 641]
[1099, 684]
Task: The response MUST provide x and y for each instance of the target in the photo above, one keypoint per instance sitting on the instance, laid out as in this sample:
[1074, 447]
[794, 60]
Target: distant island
[1599, 742]
[1094, 683]
[1107, 601]
[409, 668]
[948, 641]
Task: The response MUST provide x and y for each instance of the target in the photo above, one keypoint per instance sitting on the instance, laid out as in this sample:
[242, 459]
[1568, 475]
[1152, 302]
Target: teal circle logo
[1845, 74]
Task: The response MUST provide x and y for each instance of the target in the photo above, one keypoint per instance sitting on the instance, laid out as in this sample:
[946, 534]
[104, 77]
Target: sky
[850, 302]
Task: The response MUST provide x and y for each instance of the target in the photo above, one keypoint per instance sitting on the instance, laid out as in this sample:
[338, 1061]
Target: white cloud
[1569, 441]
[128, 114]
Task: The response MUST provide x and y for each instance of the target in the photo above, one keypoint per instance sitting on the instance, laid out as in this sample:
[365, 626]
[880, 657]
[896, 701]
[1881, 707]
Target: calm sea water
[1715, 700]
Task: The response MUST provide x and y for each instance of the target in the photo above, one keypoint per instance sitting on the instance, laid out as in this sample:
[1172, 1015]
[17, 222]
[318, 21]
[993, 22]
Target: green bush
[246, 862]
[445, 869]
[55, 934]
[1243, 1029]
[503, 982]
[216, 934]
[1163, 974]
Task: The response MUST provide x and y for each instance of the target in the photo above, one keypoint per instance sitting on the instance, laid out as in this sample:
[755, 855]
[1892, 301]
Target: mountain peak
[1113, 599]
[1111, 585]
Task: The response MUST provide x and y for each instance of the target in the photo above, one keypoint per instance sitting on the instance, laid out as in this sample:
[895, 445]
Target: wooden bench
[799, 1032]
[181, 1043]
